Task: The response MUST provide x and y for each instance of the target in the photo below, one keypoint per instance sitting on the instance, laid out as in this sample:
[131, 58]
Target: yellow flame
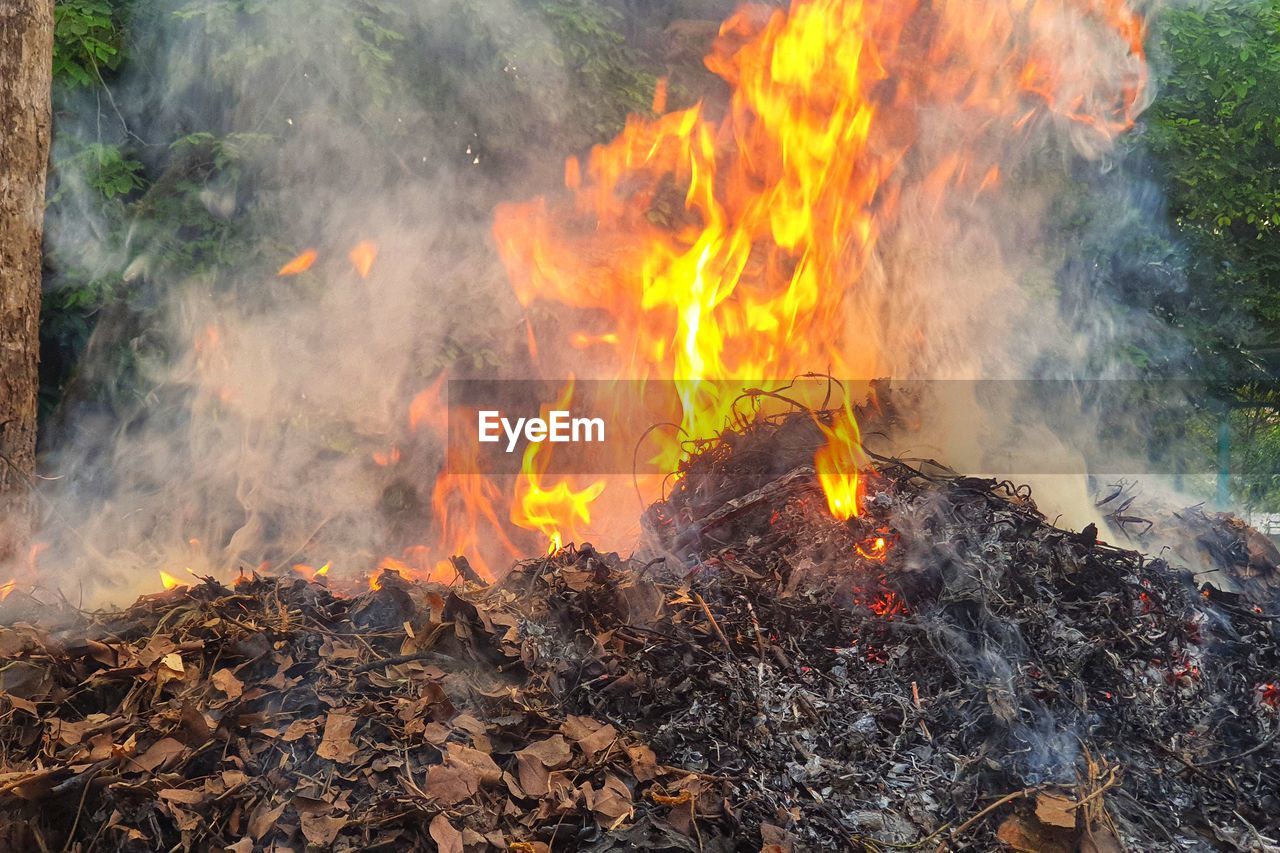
[310, 572]
[837, 463]
[558, 512]
[168, 580]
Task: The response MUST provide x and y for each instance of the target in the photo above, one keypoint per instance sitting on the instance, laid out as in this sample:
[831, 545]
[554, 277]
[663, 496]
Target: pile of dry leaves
[946, 671]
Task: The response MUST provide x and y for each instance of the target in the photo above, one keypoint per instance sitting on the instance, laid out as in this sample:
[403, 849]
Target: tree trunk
[26, 67]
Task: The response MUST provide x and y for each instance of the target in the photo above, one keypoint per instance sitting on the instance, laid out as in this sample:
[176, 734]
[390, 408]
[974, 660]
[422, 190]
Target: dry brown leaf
[21, 704]
[644, 763]
[264, 819]
[529, 847]
[37, 785]
[474, 760]
[159, 754]
[101, 746]
[466, 722]
[182, 795]
[70, 733]
[244, 845]
[170, 669]
[590, 735]
[226, 681]
[156, 648]
[321, 829]
[532, 774]
[554, 752]
[611, 803]
[336, 743]
[447, 838]
[436, 733]
[1100, 841]
[232, 778]
[299, 729]
[450, 785]
[186, 821]
[776, 839]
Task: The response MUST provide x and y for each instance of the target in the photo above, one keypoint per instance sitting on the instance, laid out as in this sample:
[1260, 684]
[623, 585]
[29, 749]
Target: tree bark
[26, 68]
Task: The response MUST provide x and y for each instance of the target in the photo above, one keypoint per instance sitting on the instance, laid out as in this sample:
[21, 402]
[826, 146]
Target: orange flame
[7, 587]
[733, 247]
[310, 572]
[660, 95]
[362, 256]
[384, 459]
[300, 264]
[465, 506]
[428, 409]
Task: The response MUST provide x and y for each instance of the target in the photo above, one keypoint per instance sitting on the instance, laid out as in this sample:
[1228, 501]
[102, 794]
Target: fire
[362, 256]
[427, 408]
[558, 511]
[704, 245]
[465, 506]
[168, 580]
[738, 246]
[385, 459]
[877, 549]
[300, 264]
[311, 573]
[837, 463]
[7, 587]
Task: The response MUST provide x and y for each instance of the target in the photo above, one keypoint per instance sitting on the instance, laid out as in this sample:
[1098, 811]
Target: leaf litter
[945, 671]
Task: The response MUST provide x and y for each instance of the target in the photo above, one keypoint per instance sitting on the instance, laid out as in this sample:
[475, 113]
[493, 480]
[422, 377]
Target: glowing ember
[362, 256]
[877, 550]
[300, 264]
[888, 605]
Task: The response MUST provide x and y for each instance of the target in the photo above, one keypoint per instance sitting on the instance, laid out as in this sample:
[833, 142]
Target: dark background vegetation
[1195, 244]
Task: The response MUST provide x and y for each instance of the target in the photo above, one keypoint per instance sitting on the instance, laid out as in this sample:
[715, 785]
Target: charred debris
[945, 671]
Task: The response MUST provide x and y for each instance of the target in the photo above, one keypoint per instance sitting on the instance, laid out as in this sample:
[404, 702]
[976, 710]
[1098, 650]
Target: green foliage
[1215, 132]
[108, 170]
[86, 39]
[587, 36]
[1215, 129]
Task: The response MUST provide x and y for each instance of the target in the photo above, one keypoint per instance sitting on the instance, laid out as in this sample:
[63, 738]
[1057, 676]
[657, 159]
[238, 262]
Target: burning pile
[814, 648]
[945, 670]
